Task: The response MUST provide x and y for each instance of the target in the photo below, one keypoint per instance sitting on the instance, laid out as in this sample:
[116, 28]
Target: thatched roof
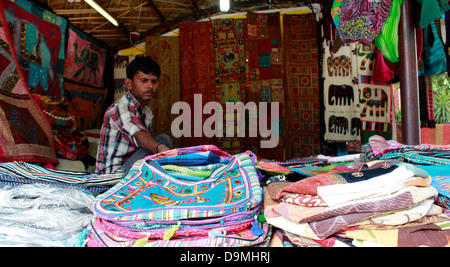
[149, 17]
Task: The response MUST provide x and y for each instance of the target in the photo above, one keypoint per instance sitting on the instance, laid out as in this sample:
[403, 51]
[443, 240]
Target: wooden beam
[121, 15]
[408, 74]
[155, 8]
[121, 9]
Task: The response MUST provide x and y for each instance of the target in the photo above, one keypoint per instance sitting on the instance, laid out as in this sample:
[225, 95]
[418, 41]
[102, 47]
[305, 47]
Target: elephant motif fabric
[37, 44]
[85, 59]
[339, 66]
[375, 102]
[341, 95]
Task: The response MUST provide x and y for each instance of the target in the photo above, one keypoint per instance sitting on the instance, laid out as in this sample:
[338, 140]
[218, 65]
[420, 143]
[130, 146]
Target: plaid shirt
[122, 120]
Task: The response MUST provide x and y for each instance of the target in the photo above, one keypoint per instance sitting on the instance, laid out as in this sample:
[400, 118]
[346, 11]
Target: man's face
[143, 87]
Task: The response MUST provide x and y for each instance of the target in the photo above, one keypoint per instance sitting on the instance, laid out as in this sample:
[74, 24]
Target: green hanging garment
[387, 39]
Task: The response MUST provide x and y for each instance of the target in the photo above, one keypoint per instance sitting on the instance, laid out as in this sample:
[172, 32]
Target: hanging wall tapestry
[120, 73]
[37, 44]
[264, 70]
[85, 59]
[86, 105]
[166, 51]
[302, 85]
[342, 121]
[229, 50]
[197, 74]
[25, 133]
[61, 22]
[374, 98]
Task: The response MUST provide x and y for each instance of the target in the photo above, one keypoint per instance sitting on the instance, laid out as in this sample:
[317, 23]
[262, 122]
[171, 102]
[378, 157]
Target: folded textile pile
[43, 215]
[335, 209]
[18, 173]
[440, 175]
[196, 196]
[424, 154]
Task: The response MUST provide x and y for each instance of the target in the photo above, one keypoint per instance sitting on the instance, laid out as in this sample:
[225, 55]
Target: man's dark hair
[144, 64]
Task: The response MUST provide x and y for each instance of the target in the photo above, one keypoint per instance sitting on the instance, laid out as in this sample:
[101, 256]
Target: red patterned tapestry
[302, 85]
[60, 22]
[37, 44]
[85, 59]
[197, 72]
[265, 76]
[166, 51]
[25, 133]
[85, 104]
[230, 57]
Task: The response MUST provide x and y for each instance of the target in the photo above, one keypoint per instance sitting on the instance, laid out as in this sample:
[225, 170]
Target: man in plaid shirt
[125, 135]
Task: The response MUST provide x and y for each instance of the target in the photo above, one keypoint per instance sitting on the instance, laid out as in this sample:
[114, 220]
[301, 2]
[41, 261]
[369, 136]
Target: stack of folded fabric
[18, 173]
[391, 205]
[196, 196]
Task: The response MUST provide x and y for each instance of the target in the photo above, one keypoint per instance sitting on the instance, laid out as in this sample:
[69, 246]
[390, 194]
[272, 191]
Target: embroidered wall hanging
[85, 104]
[61, 22]
[85, 59]
[120, 73]
[302, 85]
[230, 56]
[197, 71]
[166, 51]
[25, 133]
[37, 44]
[342, 121]
[264, 70]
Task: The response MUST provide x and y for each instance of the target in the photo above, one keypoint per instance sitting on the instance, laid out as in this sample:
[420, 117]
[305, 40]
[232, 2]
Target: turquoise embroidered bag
[434, 57]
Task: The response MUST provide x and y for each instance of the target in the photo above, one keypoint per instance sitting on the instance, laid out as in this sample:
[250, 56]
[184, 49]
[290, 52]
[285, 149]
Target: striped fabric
[17, 172]
[440, 135]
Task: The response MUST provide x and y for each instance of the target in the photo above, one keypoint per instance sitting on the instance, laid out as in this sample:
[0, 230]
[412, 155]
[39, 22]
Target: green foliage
[441, 91]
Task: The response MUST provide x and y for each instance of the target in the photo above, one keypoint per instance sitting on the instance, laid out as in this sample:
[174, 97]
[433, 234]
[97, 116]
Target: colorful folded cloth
[322, 207]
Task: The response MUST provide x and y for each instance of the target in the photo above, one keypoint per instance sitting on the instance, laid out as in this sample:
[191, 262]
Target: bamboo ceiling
[149, 17]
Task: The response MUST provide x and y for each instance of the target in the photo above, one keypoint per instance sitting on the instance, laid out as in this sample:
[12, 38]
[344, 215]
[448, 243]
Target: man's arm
[146, 142]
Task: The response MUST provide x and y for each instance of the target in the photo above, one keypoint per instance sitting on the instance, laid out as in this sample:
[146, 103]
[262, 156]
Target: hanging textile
[197, 73]
[426, 102]
[387, 39]
[342, 121]
[85, 59]
[61, 22]
[165, 51]
[25, 132]
[302, 85]
[362, 20]
[230, 57]
[264, 70]
[36, 43]
[431, 10]
[439, 135]
[85, 104]
[120, 73]
[434, 56]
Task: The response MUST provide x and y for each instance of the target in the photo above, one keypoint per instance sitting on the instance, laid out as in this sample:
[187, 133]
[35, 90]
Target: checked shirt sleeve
[129, 121]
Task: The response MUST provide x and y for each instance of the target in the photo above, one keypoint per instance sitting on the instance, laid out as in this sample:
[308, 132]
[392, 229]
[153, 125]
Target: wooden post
[408, 75]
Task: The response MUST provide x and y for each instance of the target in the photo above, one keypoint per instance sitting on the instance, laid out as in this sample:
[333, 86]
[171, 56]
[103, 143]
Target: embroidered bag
[434, 57]
[155, 207]
[149, 192]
